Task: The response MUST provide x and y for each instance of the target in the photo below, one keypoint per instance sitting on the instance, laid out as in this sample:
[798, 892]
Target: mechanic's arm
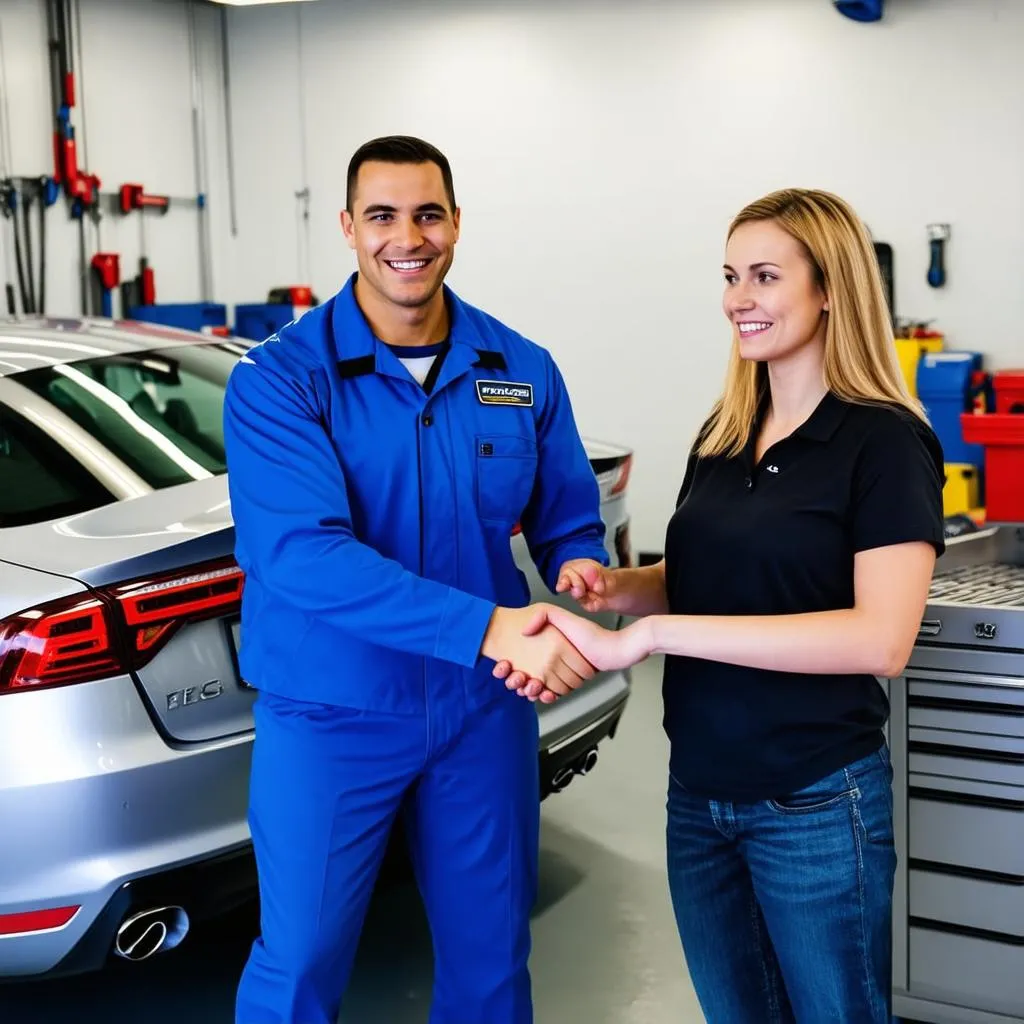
[292, 516]
[563, 519]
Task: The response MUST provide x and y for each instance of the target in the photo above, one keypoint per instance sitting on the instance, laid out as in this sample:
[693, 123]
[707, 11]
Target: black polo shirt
[779, 538]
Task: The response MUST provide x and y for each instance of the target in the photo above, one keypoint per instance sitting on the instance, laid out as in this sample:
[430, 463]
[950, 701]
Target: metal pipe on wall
[302, 196]
[200, 155]
[229, 141]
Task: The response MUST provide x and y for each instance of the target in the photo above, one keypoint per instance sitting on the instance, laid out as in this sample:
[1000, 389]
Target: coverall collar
[355, 339]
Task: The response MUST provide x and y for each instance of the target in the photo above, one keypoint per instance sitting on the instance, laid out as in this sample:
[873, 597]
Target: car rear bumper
[205, 889]
[101, 813]
[572, 728]
[94, 804]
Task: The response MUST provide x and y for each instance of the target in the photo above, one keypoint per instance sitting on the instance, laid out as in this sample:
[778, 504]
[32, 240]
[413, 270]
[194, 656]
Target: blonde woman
[796, 569]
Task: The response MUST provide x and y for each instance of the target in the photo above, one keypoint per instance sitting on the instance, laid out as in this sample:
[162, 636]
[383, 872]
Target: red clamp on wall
[293, 295]
[106, 275]
[108, 266]
[133, 197]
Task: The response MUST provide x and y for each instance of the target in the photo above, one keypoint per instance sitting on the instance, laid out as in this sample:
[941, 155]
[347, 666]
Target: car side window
[159, 412]
[40, 480]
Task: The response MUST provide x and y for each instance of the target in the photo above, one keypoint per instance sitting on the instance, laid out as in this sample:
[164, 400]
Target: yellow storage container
[909, 352]
[961, 493]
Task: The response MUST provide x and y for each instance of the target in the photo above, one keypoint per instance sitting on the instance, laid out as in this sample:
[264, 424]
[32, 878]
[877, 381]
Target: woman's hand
[607, 650]
[590, 583]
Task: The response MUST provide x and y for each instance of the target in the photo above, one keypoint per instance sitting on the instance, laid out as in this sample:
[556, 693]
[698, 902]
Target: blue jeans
[784, 906]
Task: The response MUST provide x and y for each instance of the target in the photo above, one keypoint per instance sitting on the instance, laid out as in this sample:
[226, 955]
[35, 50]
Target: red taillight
[622, 480]
[76, 640]
[66, 641]
[154, 608]
[36, 920]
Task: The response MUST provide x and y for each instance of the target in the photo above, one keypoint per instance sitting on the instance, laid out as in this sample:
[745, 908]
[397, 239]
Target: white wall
[134, 113]
[600, 149]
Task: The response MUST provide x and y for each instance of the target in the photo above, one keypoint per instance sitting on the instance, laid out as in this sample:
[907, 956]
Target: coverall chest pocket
[506, 465]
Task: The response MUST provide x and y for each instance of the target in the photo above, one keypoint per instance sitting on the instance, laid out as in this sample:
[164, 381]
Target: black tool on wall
[938, 235]
[883, 253]
[18, 196]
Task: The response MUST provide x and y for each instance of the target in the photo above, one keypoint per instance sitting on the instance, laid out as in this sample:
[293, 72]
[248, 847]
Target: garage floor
[605, 946]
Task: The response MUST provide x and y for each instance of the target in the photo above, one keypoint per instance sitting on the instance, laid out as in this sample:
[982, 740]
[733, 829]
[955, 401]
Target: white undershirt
[419, 367]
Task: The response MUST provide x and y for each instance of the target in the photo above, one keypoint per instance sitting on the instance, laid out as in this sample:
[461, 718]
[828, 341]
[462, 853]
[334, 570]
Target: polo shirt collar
[820, 426]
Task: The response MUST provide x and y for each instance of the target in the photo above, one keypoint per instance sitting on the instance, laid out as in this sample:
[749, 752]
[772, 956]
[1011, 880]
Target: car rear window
[39, 480]
[159, 412]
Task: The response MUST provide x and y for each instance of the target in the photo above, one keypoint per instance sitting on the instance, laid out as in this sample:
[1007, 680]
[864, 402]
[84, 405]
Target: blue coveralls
[373, 522]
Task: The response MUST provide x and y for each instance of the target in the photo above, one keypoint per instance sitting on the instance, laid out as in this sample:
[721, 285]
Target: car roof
[27, 343]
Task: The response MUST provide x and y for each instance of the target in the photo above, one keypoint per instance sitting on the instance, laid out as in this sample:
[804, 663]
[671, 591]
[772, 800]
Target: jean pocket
[506, 468]
[822, 795]
[874, 804]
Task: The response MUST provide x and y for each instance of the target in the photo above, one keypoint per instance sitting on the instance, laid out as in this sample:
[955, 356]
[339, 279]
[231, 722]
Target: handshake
[544, 652]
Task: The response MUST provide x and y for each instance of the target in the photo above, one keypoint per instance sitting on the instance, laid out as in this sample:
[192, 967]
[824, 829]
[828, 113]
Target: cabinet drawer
[967, 830]
[966, 970]
[993, 904]
[963, 755]
[963, 707]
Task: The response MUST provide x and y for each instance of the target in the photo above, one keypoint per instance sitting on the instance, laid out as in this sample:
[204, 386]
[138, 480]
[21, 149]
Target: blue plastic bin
[189, 316]
[259, 320]
[943, 386]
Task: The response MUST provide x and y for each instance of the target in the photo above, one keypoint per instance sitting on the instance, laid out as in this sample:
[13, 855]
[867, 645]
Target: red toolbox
[1008, 386]
[1002, 434]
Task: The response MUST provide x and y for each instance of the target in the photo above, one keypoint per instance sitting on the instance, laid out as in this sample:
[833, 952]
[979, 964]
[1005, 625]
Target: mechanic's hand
[607, 650]
[590, 583]
[520, 639]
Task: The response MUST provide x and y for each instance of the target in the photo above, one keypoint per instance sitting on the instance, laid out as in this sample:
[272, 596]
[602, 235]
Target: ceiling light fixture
[258, 3]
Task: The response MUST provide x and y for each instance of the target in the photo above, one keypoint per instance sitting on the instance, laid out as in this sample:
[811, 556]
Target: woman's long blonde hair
[860, 354]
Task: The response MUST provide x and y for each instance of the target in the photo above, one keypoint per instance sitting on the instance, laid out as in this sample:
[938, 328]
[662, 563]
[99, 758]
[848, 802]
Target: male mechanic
[382, 450]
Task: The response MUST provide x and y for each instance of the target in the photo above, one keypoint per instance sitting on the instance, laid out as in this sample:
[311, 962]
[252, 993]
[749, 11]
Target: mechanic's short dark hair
[398, 149]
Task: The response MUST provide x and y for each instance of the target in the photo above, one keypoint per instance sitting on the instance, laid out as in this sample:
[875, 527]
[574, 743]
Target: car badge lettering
[189, 695]
[499, 392]
[985, 630]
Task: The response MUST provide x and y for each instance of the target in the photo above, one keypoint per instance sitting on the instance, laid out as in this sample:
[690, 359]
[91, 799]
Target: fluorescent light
[254, 3]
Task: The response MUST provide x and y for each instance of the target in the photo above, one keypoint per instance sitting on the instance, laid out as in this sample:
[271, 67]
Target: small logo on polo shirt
[498, 392]
[772, 468]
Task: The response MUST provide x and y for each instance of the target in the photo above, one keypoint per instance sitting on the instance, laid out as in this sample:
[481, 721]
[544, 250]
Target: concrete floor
[605, 946]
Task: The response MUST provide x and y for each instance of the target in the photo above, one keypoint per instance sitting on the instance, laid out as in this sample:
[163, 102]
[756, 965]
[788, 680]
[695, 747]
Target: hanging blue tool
[937, 237]
[860, 10]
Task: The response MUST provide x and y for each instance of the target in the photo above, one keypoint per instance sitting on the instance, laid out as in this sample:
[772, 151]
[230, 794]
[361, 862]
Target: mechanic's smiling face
[403, 230]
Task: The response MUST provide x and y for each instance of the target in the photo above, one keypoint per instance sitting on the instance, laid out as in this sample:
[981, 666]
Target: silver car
[125, 730]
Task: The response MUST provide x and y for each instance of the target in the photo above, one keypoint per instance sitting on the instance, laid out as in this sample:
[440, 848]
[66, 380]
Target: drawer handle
[967, 931]
[971, 753]
[946, 796]
[979, 707]
[934, 867]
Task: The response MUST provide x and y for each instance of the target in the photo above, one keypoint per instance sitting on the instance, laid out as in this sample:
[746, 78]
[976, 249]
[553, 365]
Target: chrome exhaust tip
[561, 779]
[586, 763]
[155, 930]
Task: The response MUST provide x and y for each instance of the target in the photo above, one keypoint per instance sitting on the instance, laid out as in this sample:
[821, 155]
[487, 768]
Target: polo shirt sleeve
[692, 461]
[897, 485]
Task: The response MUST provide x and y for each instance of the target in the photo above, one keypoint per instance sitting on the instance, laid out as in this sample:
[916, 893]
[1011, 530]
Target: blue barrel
[944, 388]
